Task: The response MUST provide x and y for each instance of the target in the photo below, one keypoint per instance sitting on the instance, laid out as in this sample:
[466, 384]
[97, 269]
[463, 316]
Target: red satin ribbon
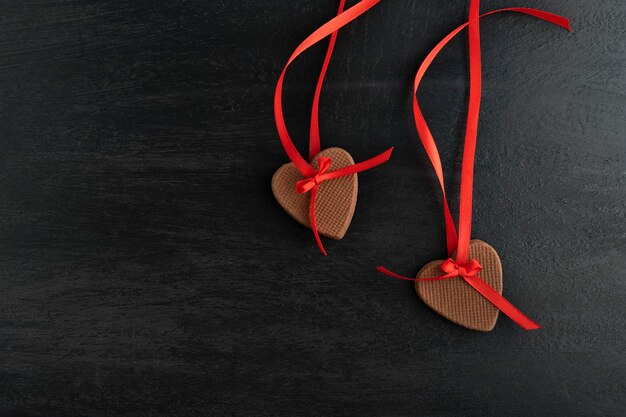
[312, 176]
[449, 266]
[422, 127]
[461, 267]
[469, 273]
[314, 135]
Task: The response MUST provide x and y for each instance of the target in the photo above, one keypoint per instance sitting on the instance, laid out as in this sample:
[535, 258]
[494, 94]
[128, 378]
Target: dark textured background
[148, 271]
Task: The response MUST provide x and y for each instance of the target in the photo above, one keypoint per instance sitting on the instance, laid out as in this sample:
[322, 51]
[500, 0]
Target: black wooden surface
[148, 271]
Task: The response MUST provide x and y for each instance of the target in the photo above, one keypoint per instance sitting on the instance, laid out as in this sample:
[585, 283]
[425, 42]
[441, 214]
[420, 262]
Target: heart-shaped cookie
[455, 299]
[336, 198]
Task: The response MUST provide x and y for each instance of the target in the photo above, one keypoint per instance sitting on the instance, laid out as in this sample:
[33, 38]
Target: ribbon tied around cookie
[461, 243]
[307, 184]
[452, 269]
[469, 273]
[313, 182]
[314, 178]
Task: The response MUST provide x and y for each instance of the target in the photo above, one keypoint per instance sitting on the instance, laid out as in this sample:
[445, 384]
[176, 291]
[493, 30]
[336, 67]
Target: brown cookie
[455, 299]
[336, 198]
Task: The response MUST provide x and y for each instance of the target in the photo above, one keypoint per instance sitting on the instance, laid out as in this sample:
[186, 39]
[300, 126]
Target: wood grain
[148, 271]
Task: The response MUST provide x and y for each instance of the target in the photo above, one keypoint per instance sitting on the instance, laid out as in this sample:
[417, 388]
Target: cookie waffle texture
[336, 198]
[455, 299]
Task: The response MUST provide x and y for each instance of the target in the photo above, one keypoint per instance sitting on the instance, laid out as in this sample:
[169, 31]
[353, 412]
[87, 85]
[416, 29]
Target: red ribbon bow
[461, 268]
[452, 269]
[307, 184]
[469, 272]
[313, 177]
[449, 266]
[312, 183]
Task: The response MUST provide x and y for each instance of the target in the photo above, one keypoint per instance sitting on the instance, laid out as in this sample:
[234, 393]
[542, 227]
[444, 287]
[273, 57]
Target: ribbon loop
[449, 266]
[460, 243]
[313, 177]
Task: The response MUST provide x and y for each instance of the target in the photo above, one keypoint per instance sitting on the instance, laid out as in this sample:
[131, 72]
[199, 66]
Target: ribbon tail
[313, 224]
[360, 167]
[392, 274]
[501, 303]
[446, 276]
[323, 31]
[396, 276]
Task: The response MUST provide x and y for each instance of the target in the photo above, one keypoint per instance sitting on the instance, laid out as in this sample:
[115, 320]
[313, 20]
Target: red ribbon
[461, 267]
[469, 273]
[317, 176]
[449, 266]
[422, 127]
